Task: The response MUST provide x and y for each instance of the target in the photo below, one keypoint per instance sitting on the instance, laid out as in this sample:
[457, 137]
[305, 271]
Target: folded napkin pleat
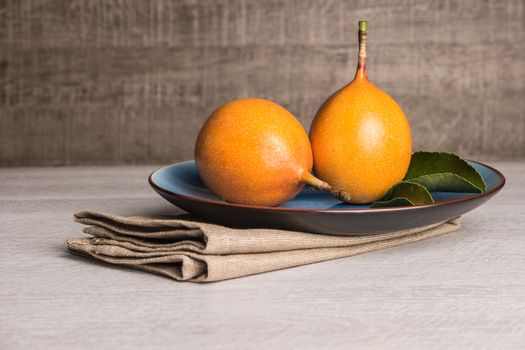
[188, 250]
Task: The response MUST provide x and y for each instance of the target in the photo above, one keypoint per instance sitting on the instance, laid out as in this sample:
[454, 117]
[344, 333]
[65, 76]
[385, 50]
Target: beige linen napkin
[188, 250]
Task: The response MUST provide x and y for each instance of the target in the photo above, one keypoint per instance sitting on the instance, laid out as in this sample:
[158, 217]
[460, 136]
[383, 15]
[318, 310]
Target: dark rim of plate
[496, 188]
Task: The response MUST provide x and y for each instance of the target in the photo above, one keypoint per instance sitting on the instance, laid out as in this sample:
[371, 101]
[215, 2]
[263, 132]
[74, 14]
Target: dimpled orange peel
[360, 137]
[253, 151]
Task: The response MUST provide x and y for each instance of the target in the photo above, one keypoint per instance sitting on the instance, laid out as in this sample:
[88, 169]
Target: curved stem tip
[319, 184]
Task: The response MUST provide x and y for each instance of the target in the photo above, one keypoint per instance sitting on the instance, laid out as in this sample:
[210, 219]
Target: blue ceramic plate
[315, 211]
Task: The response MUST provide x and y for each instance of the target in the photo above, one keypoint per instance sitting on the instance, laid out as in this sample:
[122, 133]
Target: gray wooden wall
[116, 81]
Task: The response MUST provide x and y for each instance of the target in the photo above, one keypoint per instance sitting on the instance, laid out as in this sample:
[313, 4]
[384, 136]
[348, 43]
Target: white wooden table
[464, 290]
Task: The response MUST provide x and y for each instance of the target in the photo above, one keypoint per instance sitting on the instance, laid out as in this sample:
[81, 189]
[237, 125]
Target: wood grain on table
[464, 290]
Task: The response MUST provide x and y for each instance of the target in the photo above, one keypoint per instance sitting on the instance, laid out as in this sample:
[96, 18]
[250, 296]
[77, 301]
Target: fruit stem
[361, 63]
[319, 184]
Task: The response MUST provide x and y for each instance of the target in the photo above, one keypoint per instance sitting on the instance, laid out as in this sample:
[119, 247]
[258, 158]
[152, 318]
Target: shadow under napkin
[188, 250]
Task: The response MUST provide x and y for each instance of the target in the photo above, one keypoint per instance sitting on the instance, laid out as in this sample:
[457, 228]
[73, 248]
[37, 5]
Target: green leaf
[446, 182]
[444, 172]
[405, 194]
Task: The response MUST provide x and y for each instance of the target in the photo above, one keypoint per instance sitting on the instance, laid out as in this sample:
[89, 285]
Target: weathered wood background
[103, 82]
